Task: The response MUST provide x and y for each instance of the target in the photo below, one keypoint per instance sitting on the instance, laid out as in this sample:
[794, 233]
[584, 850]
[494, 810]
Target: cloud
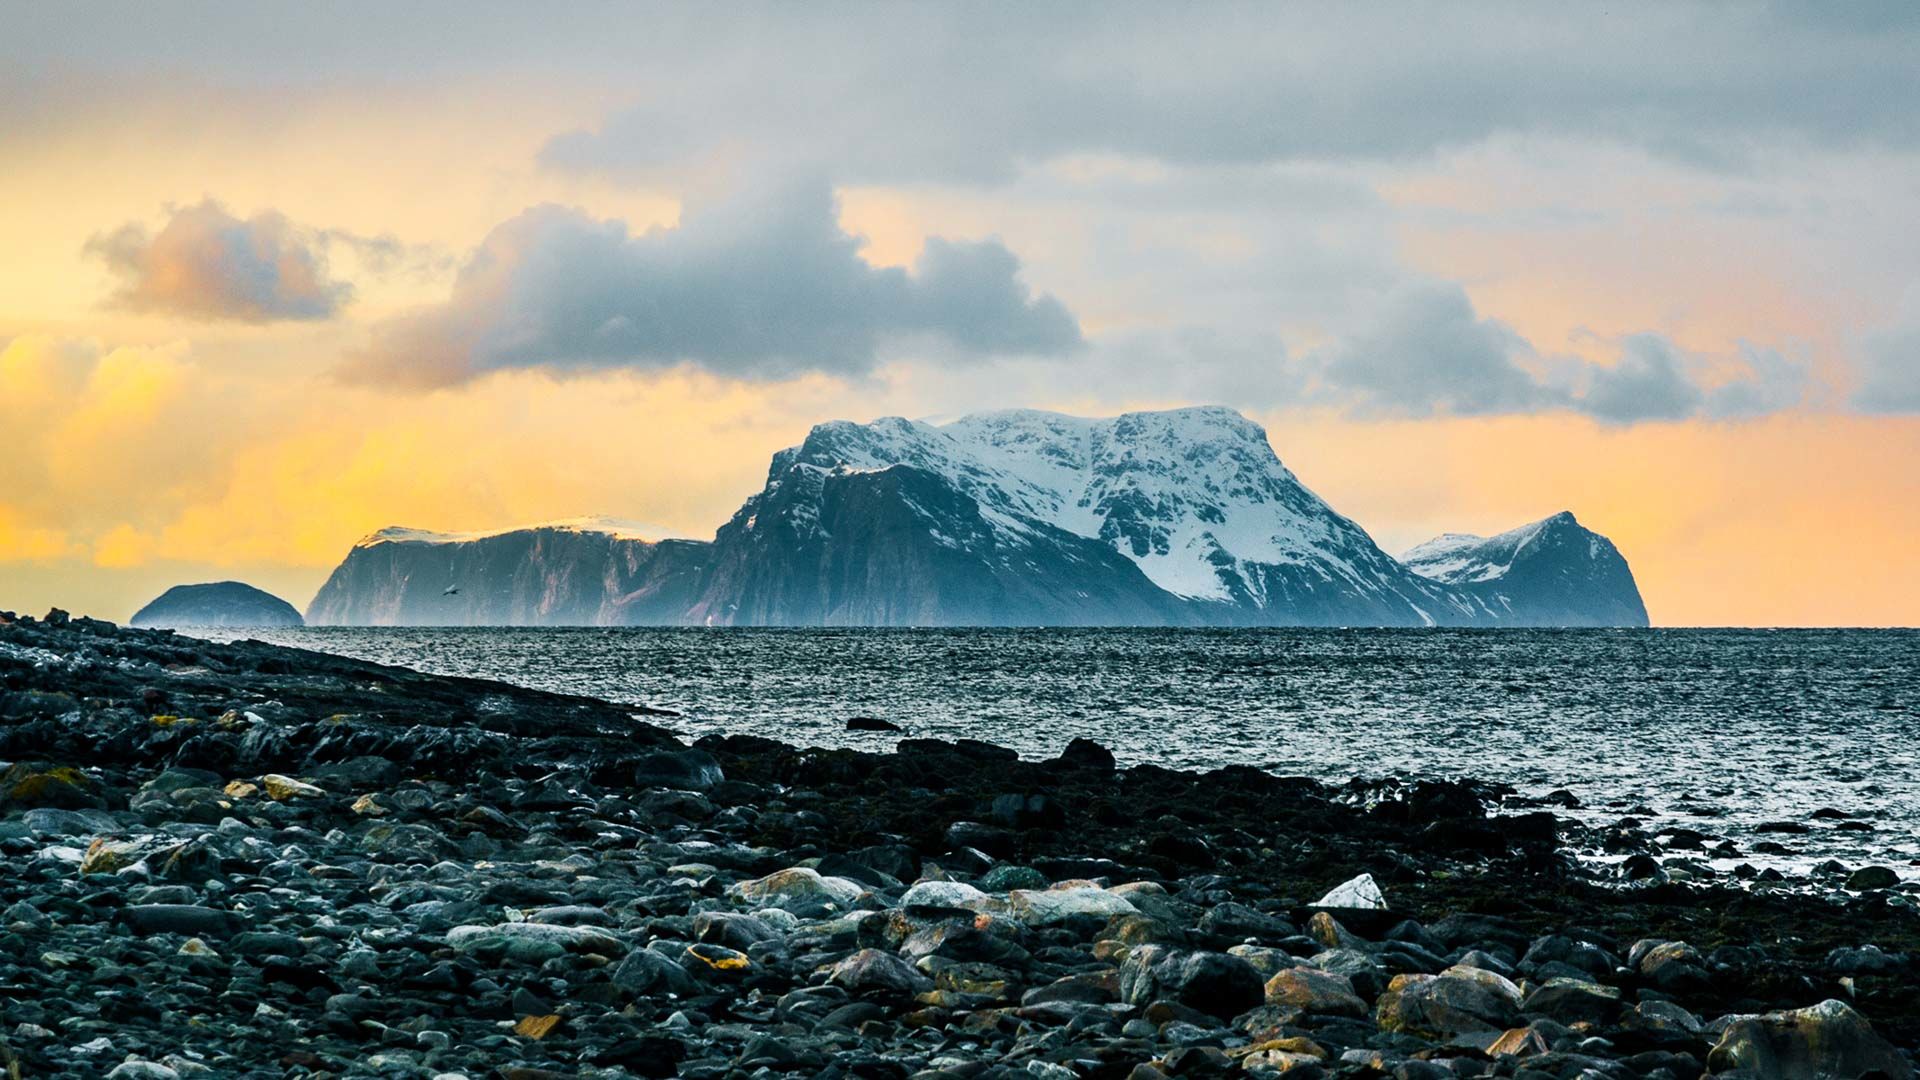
[1890, 363]
[1427, 352]
[205, 263]
[760, 286]
[920, 94]
[1647, 382]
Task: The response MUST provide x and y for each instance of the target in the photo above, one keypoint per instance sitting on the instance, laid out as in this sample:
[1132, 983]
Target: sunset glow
[221, 295]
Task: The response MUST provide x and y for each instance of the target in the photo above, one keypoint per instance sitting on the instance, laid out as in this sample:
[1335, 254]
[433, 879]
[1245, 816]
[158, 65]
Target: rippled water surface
[1720, 730]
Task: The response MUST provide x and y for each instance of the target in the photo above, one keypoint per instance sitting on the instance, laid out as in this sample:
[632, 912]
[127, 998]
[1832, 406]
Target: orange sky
[149, 445]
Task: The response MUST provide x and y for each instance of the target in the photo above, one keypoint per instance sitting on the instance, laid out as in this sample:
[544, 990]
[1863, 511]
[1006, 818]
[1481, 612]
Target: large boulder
[1312, 990]
[1213, 983]
[1050, 907]
[873, 972]
[1573, 1001]
[531, 938]
[1827, 1040]
[798, 888]
[1443, 1006]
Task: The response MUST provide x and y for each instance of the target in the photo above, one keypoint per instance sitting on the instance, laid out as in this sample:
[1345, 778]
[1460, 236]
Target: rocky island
[224, 860]
[219, 604]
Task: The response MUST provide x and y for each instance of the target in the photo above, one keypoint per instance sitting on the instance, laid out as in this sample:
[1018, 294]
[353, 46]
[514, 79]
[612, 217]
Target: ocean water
[1720, 731]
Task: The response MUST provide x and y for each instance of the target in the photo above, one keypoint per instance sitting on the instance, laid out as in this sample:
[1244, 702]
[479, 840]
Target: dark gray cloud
[205, 263]
[762, 285]
[1890, 364]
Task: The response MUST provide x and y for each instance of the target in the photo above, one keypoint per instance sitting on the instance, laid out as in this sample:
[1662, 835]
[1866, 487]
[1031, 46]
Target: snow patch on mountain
[612, 527]
[1457, 558]
[1195, 497]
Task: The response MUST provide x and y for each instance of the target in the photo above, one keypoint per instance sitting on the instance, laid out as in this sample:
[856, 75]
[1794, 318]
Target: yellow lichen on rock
[240, 789]
[281, 788]
[58, 784]
[104, 856]
[536, 1027]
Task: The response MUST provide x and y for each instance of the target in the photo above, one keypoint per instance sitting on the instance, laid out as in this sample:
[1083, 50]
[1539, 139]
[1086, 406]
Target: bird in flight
[451, 590]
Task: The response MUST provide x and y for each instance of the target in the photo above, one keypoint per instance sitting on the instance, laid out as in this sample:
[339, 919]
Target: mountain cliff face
[1183, 517]
[217, 604]
[589, 572]
[1554, 572]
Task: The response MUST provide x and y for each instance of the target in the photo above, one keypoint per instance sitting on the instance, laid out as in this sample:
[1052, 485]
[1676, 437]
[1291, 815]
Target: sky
[274, 277]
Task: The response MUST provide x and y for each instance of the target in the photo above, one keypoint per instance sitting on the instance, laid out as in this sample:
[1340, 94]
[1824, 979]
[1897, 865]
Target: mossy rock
[61, 787]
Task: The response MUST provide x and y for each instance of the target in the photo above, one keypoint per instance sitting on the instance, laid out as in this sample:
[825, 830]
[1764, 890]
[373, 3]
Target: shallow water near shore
[1720, 731]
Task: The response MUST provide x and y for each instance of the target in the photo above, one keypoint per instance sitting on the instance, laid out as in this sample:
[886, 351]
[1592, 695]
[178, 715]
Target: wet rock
[646, 972]
[686, 770]
[872, 723]
[870, 971]
[1520, 1042]
[1567, 953]
[1051, 907]
[486, 884]
[1360, 893]
[734, 930]
[993, 840]
[944, 894]
[45, 823]
[1865, 960]
[716, 961]
[1443, 1006]
[1312, 990]
[798, 887]
[1674, 967]
[1086, 754]
[1827, 1040]
[531, 938]
[1212, 983]
[1573, 1001]
[1869, 878]
[61, 787]
[1239, 922]
[139, 1069]
[1006, 878]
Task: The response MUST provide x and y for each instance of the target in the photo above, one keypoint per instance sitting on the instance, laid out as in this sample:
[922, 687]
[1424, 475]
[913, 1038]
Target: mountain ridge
[1010, 517]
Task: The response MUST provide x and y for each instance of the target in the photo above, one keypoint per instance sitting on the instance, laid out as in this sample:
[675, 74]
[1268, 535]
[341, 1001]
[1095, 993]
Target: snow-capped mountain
[1020, 517]
[1562, 573]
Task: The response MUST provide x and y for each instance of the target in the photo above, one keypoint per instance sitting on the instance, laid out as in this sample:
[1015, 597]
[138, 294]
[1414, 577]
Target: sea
[1726, 732]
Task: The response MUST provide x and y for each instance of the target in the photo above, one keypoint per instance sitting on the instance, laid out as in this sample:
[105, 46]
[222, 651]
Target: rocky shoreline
[244, 860]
